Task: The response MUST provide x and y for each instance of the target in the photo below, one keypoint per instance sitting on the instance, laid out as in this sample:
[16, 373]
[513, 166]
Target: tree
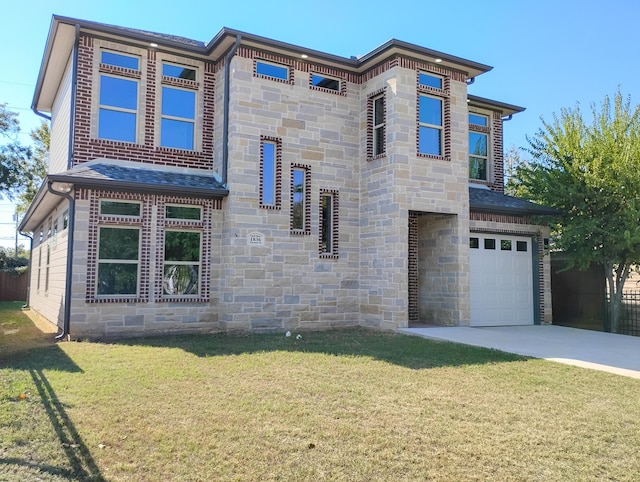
[38, 166]
[14, 158]
[512, 162]
[590, 172]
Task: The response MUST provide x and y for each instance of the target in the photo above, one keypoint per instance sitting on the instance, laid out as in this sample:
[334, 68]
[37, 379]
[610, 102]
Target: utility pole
[15, 218]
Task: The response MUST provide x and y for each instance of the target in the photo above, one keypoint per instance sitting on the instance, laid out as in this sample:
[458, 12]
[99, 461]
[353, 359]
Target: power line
[16, 83]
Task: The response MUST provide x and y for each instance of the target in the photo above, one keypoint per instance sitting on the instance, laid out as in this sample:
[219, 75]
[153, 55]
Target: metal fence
[629, 314]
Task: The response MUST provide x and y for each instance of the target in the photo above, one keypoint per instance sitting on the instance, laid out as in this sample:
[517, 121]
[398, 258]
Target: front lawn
[342, 405]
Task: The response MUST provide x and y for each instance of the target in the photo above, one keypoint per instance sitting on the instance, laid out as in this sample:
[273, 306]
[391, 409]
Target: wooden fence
[13, 287]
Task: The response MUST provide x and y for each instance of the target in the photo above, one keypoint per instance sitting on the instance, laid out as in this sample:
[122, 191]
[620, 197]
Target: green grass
[342, 405]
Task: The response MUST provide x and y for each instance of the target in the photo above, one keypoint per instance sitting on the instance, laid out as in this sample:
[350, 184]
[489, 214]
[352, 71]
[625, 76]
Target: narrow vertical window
[46, 271]
[329, 224]
[300, 200]
[430, 126]
[297, 203]
[378, 126]
[270, 173]
[39, 266]
[181, 273]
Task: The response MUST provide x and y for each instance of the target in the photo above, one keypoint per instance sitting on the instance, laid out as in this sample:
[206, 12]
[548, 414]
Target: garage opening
[501, 271]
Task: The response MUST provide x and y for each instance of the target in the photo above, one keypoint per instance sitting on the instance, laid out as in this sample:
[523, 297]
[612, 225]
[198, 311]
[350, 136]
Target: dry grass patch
[345, 405]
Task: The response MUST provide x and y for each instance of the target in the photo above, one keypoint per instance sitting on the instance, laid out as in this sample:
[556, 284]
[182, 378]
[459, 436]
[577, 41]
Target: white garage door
[501, 280]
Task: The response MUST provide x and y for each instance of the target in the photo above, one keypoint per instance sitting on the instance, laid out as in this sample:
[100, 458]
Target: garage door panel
[501, 281]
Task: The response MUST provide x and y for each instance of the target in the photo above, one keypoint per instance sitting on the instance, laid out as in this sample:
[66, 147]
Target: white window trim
[198, 293]
[99, 46]
[137, 261]
[483, 130]
[198, 88]
[433, 126]
[121, 201]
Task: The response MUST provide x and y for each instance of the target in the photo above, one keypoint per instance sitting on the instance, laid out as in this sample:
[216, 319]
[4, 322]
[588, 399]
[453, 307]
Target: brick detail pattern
[370, 124]
[307, 199]
[146, 149]
[497, 160]
[335, 223]
[445, 95]
[96, 220]
[203, 226]
[500, 218]
[414, 310]
[276, 59]
[436, 69]
[278, 172]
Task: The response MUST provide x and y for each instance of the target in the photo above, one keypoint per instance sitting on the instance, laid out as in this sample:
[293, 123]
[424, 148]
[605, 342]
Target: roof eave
[506, 109]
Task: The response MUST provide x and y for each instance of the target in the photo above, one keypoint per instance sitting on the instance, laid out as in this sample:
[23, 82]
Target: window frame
[173, 83]
[333, 228]
[376, 132]
[480, 130]
[126, 74]
[198, 263]
[277, 172]
[287, 79]
[443, 96]
[137, 262]
[341, 87]
[306, 200]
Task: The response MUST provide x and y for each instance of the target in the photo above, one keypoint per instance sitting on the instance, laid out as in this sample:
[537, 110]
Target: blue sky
[546, 54]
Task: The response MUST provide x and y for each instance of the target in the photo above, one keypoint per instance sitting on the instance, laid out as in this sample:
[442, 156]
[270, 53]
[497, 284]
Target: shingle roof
[125, 178]
[485, 200]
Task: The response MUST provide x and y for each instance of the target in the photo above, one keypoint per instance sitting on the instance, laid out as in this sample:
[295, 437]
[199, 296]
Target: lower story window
[181, 272]
[118, 261]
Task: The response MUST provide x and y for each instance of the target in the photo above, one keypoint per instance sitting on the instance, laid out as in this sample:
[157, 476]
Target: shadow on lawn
[37, 353]
[408, 351]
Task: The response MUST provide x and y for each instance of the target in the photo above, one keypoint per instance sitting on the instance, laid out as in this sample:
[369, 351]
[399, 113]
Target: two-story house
[251, 184]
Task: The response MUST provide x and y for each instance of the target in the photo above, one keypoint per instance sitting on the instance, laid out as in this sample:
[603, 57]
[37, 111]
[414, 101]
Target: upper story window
[178, 111]
[376, 119]
[325, 82]
[430, 125]
[430, 80]
[118, 98]
[273, 70]
[478, 146]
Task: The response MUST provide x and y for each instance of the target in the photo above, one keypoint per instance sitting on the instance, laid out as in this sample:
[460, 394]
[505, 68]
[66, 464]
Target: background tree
[14, 158]
[38, 165]
[590, 172]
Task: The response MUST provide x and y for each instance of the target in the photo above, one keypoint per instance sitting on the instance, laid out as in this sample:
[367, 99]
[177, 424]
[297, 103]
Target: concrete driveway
[618, 354]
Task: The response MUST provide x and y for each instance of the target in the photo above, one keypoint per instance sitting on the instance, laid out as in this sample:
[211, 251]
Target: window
[65, 220]
[329, 223]
[376, 114]
[181, 270]
[270, 173]
[272, 70]
[39, 265]
[521, 246]
[119, 208]
[178, 111]
[430, 80]
[325, 82]
[46, 270]
[118, 98]
[505, 244]
[118, 260]
[430, 125]
[489, 243]
[300, 199]
[478, 147]
[474, 243]
[190, 213]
